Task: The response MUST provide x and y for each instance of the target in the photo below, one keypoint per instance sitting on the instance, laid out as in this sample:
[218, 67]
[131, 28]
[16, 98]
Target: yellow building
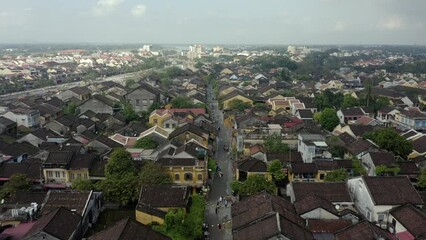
[155, 201]
[191, 132]
[235, 95]
[63, 167]
[251, 166]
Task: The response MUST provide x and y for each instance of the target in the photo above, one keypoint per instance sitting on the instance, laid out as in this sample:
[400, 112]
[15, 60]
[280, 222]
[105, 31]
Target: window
[381, 217]
[138, 102]
[176, 177]
[322, 175]
[57, 174]
[78, 175]
[200, 177]
[155, 120]
[49, 174]
[85, 176]
[167, 125]
[63, 174]
[188, 176]
[72, 176]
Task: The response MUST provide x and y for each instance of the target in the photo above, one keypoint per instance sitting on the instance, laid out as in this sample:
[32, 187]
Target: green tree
[129, 112]
[328, 119]
[253, 184]
[389, 139]
[130, 82]
[349, 101]
[146, 143]
[239, 105]
[70, 109]
[181, 102]
[422, 179]
[82, 184]
[368, 93]
[358, 168]
[121, 181]
[338, 175]
[275, 168]
[384, 170]
[380, 102]
[16, 182]
[273, 144]
[337, 151]
[154, 174]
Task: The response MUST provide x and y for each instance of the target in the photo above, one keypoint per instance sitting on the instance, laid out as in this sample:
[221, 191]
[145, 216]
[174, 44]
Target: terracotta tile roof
[392, 190]
[312, 202]
[383, 158]
[285, 158]
[301, 167]
[272, 214]
[164, 196]
[252, 165]
[347, 138]
[128, 229]
[419, 145]
[352, 112]
[412, 218]
[331, 191]
[359, 146]
[67, 199]
[327, 226]
[362, 230]
[256, 148]
[60, 223]
[408, 168]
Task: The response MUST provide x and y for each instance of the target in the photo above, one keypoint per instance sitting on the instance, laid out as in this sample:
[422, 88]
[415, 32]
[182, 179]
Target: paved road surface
[219, 185]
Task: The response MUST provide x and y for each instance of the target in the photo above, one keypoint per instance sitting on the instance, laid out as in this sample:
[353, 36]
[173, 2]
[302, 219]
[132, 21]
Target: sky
[280, 22]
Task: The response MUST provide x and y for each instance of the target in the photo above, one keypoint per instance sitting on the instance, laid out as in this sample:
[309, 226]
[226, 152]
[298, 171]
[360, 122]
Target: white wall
[319, 213]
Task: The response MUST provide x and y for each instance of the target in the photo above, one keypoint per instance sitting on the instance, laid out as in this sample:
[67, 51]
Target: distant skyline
[277, 22]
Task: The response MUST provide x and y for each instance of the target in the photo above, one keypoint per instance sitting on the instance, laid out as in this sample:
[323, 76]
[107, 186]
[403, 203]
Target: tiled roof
[164, 196]
[60, 157]
[252, 165]
[362, 230]
[392, 190]
[383, 158]
[72, 200]
[60, 223]
[312, 202]
[331, 191]
[301, 167]
[327, 226]
[419, 145]
[184, 162]
[128, 229]
[412, 218]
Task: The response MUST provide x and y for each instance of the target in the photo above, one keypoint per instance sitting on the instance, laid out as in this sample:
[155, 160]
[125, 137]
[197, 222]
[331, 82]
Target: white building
[22, 116]
[312, 146]
[374, 197]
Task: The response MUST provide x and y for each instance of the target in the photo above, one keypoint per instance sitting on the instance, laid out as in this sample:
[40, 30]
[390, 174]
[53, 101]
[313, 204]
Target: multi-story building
[23, 116]
[312, 146]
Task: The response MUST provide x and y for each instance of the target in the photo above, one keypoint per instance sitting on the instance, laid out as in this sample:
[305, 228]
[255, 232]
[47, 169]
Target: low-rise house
[386, 115]
[63, 167]
[412, 118]
[235, 95]
[305, 114]
[419, 147]
[23, 116]
[29, 167]
[155, 201]
[407, 222]
[40, 136]
[8, 127]
[325, 229]
[60, 224]
[350, 115]
[363, 230]
[374, 197]
[127, 229]
[86, 204]
[315, 207]
[17, 152]
[335, 192]
[250, 166]
[312, 146]
[142, 97]
[80, 93]
[265, 216]
[99, 104]
[190, 132]
[300, 171]
[102, 145]
[375, 162]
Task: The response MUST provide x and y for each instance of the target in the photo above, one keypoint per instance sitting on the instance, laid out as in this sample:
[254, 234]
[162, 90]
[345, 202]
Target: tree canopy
[181, 102]
[121, 180]
[146, 143]
[16, 182]
[153, 174]
[328, 119]
[129, 112]
[239, 105]
[349, 101]
[338, 175]
[422, 179]
[389, 139]
[82, 184]
[328, 99]
[275, 168]
[273, 144]
[253, 184]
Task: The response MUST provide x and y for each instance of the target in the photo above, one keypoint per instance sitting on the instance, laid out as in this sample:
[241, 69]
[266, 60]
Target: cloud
[340, 26]
[138, 10]
[105, 7]
[392, 23]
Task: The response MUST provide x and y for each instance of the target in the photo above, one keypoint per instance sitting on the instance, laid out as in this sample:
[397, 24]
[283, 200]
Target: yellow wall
[193, 170]
[145, 218]
[186, 137]
[160, 119]
[65, 176]
[242, 98]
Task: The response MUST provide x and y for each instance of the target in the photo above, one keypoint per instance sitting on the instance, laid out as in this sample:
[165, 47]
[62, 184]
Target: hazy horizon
[221, 22]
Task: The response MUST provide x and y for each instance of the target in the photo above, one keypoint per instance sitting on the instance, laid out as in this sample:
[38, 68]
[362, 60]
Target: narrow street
[220, 185]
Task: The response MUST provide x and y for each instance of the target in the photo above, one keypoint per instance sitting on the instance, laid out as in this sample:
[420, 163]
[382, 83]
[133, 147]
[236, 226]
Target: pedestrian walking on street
[220, 199]
[219, 226]
[216, 210]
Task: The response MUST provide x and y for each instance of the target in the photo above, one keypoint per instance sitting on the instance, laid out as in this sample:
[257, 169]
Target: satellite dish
[337, 207]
